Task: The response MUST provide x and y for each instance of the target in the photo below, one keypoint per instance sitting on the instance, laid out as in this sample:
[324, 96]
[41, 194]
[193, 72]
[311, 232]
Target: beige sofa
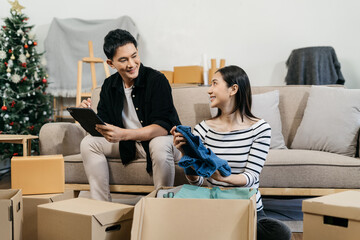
[286, 171]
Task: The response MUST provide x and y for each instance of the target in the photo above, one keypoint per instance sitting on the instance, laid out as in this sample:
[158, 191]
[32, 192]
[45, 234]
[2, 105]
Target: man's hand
[112, 133]
[86, 103]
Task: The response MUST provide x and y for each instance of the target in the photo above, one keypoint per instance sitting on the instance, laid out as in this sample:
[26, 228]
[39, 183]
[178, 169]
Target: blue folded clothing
[202, 159]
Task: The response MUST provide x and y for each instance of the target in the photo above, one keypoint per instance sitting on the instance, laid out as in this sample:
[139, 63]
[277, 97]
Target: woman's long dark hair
[243, 100]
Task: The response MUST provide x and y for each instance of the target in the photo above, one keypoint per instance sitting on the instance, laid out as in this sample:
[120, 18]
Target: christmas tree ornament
[30, 42]
[22, 58]
[2, 54]
[23, 65]
[15, 78]
[10, 51]
[8, 70]
[27, 54]
[12, 57]
[44, 80]
[16, 6]
[35, 43]
[4, 108]
[23, 39]
[26, 46]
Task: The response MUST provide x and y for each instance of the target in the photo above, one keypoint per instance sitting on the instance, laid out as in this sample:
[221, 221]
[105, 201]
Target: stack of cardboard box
[49, 212]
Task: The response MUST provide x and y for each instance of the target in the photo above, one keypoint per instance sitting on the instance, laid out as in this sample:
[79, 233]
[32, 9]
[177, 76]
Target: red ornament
[12, 123]
[23, 65]
[26, 46]
[10, 51]
[44, 80]
[4, 108]
[35, 43]
[12, 103]
[24, 79]
[15, 154]
[6, 64]
[4, 27]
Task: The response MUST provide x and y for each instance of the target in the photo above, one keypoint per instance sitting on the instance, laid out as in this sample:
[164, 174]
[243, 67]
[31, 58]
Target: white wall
[257, 35]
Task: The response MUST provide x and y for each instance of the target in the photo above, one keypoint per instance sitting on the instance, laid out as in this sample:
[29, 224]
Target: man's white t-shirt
[129, 116]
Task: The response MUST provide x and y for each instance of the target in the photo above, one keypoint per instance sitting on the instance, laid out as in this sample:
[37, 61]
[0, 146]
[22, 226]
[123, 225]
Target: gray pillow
[331, 121]
[266, 106]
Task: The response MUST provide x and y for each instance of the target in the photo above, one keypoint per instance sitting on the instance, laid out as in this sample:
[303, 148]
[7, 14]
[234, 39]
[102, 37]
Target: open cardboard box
[31, 203]
[169, 218]
[82, 218]
[334, 216]
[11, 214]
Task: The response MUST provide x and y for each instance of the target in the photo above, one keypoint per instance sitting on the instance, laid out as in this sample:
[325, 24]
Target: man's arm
[116, 134]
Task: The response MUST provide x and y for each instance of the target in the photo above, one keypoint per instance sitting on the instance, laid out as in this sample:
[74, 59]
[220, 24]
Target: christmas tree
[25, 106]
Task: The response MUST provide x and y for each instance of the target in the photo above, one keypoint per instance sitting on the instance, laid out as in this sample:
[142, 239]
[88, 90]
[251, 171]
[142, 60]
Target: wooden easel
[92, 60]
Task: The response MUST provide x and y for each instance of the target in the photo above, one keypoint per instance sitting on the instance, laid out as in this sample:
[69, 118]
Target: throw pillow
[331, 121]
[266, 106]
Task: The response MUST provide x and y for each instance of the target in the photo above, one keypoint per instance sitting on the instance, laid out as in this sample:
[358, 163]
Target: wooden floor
[5, 184]
[297, 236]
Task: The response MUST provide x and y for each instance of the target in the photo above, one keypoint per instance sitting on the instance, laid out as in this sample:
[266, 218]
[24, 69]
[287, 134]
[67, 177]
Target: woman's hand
[179, 139]
[218, 177]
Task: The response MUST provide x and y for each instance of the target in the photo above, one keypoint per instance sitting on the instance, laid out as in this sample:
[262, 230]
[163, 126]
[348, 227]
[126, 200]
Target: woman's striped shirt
[245, 150]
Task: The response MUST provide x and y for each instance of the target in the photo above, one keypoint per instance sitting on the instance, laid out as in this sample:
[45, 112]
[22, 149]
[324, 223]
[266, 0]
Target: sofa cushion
[131, 174]
[331, 121]
[266, 106]
[309, 169]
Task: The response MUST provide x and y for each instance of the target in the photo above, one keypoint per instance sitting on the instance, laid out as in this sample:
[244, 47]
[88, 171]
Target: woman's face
[220, 93]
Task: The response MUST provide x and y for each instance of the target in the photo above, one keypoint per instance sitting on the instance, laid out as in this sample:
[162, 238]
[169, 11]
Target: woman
[238, 137]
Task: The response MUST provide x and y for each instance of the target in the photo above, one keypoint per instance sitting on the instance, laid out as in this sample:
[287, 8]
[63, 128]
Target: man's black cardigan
[152, 100]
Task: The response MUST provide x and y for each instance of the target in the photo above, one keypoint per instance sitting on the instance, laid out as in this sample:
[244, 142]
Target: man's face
[126, 61]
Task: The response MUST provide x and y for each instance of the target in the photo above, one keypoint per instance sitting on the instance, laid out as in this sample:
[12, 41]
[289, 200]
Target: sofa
[287, 171]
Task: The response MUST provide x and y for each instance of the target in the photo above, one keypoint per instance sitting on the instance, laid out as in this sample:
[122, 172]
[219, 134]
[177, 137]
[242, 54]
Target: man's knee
[161, 145]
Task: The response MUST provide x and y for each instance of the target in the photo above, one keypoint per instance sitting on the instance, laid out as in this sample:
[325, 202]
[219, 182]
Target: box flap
[8, 194]
[17, 215]
[124, 212]
[344, 204]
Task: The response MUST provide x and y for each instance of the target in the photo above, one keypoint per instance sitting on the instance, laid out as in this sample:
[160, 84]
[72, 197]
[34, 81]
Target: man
[136, 105]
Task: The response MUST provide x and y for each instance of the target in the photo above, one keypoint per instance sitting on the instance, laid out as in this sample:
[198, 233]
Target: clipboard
[87, 119]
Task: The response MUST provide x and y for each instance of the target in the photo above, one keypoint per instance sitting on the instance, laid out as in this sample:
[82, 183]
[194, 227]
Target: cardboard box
[82, 218]
[334, 216]
[169, 218]
[11, 214]
[30, 203]
[169, 75]
[188, 74]
[38, 174]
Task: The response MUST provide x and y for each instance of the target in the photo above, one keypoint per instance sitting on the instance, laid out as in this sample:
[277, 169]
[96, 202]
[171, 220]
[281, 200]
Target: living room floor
[5, 183]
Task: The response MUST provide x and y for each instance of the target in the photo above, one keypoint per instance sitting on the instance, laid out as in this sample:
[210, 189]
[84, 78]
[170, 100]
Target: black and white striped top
[245, 150]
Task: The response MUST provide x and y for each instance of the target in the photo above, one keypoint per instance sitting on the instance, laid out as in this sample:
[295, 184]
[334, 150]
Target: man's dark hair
[243, 99]
[117, 38]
